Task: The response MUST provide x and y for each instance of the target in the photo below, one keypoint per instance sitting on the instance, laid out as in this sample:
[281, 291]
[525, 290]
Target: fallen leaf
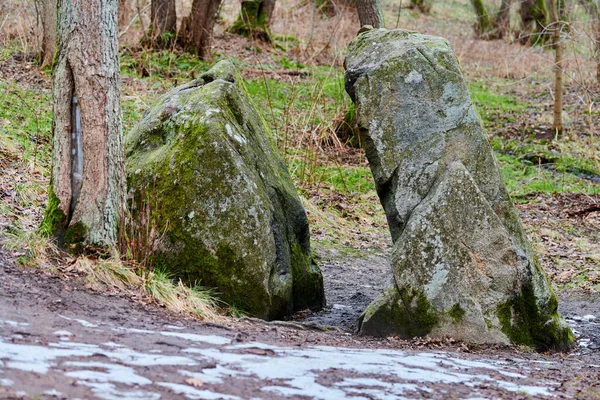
[194, 382]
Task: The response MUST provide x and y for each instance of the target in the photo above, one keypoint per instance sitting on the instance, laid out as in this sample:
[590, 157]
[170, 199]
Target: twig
[132, 21]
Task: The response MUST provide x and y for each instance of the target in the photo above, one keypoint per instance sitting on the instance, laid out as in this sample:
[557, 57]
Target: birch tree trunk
[48, 17]
[196, 30]
[163, 23]
[557, 124]
[369, 13]
[87, 189]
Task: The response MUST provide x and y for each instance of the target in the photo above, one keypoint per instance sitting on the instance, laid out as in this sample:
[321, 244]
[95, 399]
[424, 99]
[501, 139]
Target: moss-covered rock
[204, 162]
[458, 240]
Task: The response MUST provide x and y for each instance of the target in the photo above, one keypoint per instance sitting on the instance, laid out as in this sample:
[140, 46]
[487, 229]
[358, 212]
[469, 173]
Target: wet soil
[352, 281]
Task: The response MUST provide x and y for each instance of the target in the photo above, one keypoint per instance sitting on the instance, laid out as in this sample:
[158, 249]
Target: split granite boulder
[204, 163]
[462, 264]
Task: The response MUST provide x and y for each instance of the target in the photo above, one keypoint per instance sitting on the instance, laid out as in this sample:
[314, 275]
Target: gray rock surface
[223, 206]
[462, 263]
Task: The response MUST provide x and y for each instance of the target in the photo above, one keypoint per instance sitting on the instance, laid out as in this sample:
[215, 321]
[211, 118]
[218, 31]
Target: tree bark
[87, 189]
[555, 21]
[484, 22]
[534, 16]
[125, 13]
[598, 43]
[48, 17]
[196, 29]
[253, 20]
[268, 7]
[424, 6]
[163, 23]
[502, 20]
[369, 13]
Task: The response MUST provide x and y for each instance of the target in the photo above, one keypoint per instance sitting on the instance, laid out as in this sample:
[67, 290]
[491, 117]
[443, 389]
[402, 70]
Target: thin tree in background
[47, 15]
[555, 27]
[86, 197]
[597, 9]
[197, 29]
[369, 13]
[163, 23]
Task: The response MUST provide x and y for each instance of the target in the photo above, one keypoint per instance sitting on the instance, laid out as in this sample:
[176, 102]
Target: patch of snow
[113, 373]
[210, 339]
[588, 318]
[108, 391]
[13, 323]
[6, 382]
[193, 393]
[82, 322]
[53, 392]
[173, 327]
[200, 375]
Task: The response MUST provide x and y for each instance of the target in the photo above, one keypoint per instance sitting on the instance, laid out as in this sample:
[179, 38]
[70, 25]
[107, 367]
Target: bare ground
[59, 340]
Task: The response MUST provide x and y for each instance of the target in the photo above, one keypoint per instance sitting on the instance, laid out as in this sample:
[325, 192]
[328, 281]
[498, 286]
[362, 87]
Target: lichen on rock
[460, 250]
[221, 198]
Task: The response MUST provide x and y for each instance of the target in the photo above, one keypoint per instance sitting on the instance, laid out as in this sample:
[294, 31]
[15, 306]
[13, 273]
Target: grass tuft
[196, 301]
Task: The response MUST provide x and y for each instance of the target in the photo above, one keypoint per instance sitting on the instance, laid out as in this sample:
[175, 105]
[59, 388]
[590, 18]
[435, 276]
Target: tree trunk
[125, 13]
[48, 17]
[369, 13]
[163, 23]
[598, 43]
[253, 20]
[86, 198]
[484, 22]
[502, 20]
[268, 7]
[534, 16]
[423, 6]
[555, 28]
[197, 29]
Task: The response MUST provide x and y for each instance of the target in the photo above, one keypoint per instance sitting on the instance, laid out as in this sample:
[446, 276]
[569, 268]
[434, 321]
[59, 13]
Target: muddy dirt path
[58, 340]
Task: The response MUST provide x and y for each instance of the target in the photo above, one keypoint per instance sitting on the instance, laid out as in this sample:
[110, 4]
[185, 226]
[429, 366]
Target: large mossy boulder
[462, 264]
[202, 162]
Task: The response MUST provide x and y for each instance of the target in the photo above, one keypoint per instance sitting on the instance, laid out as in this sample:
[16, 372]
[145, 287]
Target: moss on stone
[405, 312]
[457, 313]
[525, 323]
[222, 199]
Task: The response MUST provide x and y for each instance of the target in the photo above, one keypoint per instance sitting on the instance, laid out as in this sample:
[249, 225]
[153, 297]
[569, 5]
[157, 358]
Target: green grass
[523, 179]
[162, 67]
[494, 108]
[26, 123]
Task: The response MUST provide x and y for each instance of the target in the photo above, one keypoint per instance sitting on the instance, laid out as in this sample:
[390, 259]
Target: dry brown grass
[19, 25]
